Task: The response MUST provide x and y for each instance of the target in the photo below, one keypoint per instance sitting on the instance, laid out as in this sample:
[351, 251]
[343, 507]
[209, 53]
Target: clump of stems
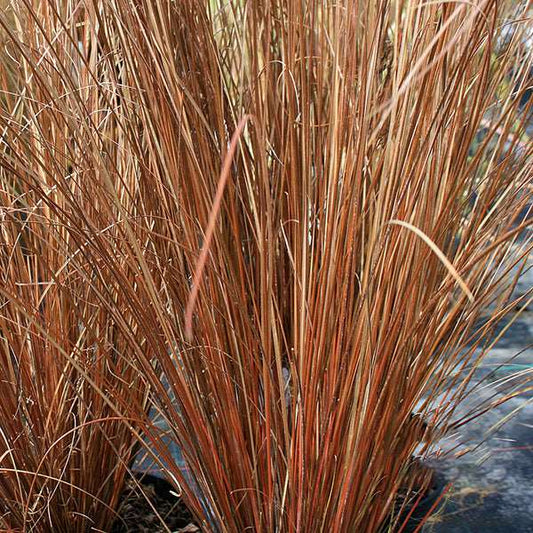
[275, 223]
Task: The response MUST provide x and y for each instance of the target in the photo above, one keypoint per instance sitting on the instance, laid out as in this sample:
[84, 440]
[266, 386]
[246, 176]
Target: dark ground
[138, 511]
[492, 488]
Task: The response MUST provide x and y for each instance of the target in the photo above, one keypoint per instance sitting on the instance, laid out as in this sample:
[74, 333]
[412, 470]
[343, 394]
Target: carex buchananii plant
[65, 448]
[275, 222]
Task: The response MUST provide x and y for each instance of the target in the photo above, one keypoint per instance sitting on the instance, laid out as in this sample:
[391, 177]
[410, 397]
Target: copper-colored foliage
[278, 220]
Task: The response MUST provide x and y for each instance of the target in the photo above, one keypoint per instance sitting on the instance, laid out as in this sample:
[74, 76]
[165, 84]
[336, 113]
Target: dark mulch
[425, 505]
[137, 515]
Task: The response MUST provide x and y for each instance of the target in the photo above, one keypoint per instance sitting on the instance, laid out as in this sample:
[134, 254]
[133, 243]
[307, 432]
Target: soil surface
[492, 485]
[148, 501]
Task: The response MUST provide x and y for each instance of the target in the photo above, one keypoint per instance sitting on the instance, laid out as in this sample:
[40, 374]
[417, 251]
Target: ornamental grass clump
[65, 450]
[275, 224]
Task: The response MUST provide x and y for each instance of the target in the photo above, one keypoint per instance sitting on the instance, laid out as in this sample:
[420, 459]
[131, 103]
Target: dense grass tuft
[275, 222]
